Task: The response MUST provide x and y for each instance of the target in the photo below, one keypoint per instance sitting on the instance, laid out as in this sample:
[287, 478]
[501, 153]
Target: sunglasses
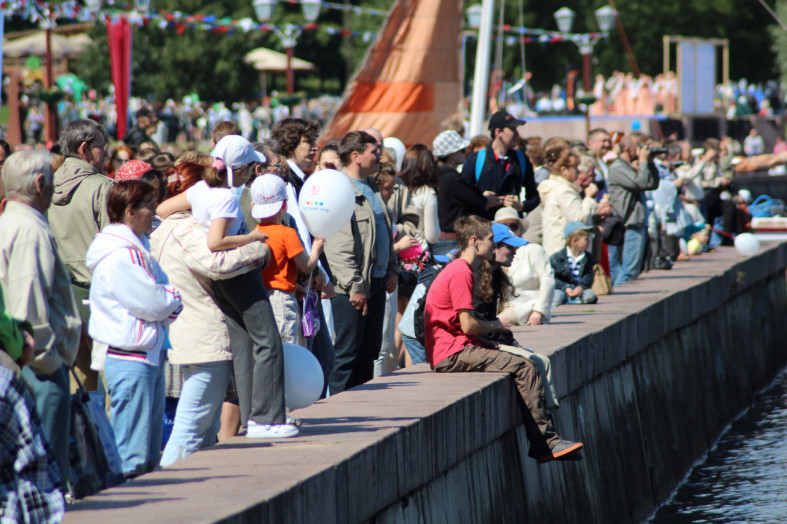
[513, 226]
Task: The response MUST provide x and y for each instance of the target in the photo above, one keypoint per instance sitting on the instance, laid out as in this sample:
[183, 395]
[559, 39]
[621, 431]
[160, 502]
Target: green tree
[779, 39]
[167, 64]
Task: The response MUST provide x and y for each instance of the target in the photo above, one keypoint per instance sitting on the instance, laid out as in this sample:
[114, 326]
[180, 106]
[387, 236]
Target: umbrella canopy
[35, 44]
[269, 60]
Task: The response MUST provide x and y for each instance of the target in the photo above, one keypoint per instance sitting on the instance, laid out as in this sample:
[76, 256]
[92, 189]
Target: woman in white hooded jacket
[131, 305]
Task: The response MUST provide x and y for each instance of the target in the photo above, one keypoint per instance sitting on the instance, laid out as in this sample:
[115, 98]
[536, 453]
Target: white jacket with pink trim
[131, 301]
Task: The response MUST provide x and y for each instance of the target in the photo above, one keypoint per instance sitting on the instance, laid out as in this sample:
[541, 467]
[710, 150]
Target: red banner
[119, 35]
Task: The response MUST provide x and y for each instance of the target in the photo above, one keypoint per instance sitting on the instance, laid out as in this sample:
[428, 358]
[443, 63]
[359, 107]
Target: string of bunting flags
[38, 11]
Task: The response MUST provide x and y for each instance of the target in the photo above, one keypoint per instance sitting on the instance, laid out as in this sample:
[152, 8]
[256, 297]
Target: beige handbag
[602, 284]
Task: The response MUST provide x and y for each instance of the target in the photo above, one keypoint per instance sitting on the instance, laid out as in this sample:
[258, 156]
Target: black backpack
[426, 277]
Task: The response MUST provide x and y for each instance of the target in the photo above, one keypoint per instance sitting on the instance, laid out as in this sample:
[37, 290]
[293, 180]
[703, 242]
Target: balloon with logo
[326, 202]
[303, 378]
[747, 244]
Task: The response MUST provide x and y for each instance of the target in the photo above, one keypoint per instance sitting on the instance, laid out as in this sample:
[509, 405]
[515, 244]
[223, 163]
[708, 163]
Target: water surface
[744, 477]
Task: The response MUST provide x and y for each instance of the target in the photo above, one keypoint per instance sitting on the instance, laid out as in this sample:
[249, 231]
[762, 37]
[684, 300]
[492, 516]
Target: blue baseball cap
[574, 226]
[503, 234]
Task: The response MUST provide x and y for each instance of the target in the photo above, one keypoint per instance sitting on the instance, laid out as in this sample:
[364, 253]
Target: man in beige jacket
[37, 288]
[364, 267]
[78, 212]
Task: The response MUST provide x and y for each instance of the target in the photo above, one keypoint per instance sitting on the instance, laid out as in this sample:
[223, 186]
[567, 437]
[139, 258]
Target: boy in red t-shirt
[268, 205]
[451, 345]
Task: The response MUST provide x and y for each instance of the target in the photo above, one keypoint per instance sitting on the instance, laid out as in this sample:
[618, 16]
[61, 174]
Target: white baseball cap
[234, 151]
[268, 193]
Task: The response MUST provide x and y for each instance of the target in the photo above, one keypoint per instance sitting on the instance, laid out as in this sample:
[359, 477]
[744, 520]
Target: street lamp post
[289, 37]
[605, 17]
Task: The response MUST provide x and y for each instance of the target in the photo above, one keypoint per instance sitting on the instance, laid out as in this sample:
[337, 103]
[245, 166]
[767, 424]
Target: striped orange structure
[410, 82]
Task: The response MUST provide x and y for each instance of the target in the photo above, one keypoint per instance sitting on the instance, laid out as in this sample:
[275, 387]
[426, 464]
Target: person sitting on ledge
[453, 343]
[573, 267]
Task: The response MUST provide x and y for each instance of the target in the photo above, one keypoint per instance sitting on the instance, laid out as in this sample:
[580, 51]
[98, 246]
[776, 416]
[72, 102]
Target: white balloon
[747, 244]
[303, 378]
[326, 202]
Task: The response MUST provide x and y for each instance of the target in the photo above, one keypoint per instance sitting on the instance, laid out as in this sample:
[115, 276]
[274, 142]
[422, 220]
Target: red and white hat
[268, 193]
[132, 170]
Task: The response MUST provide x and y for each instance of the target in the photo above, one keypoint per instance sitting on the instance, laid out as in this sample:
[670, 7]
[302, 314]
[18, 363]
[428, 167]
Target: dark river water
[744, 476]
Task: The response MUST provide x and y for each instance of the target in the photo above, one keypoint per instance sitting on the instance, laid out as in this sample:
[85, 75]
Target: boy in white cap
[269, 205]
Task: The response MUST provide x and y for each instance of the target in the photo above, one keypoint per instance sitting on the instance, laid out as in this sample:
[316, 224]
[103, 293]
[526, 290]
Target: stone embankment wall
[647, 394]
[647, 379]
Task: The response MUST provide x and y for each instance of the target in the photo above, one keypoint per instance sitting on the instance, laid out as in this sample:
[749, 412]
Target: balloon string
[719, 231]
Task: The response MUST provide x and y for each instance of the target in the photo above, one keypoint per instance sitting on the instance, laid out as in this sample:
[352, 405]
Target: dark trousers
[53, 404]
[358, 338]
[538, 424]
[321, 347]
[257, 354]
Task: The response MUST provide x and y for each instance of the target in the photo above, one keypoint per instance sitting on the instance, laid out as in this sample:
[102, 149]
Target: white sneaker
[255, 430]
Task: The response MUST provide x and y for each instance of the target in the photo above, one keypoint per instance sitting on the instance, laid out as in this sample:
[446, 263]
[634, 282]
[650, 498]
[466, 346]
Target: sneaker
[563, 450]
[255, 430]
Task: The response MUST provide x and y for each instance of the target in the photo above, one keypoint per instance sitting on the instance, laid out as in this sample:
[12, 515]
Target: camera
[657, 151]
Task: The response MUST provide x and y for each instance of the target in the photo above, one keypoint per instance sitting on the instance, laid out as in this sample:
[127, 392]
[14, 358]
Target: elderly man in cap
[37, 288]
[502, 171]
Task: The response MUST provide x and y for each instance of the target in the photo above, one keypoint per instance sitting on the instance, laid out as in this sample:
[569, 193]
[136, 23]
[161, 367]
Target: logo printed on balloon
[333, 206]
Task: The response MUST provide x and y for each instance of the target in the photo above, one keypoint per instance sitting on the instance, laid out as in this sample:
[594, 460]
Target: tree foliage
[168, 64]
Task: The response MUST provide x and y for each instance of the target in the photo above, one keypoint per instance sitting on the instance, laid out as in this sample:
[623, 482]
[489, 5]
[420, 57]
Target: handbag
[310, 322]
[93, 454]
[612, 231]
[602, 284]
[412, 263]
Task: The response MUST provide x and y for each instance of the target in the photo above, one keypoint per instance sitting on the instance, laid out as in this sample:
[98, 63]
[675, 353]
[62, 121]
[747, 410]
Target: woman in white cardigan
[419, 173]
[534, 284]
[564, 200]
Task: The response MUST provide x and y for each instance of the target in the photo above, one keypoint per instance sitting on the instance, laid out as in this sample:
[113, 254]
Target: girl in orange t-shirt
[288, 256]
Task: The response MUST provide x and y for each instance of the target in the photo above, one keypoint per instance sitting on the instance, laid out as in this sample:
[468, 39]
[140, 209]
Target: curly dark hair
[419, 168]
[289, 132]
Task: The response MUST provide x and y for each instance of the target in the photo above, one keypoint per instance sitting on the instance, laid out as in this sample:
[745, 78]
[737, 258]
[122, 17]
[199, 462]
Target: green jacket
[78, 212]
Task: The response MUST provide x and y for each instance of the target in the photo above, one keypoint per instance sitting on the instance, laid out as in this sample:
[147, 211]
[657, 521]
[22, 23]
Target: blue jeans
[588, 297]
[198, 417]
[625, 262]
[415, 349]
[136, 400]
[53, 404]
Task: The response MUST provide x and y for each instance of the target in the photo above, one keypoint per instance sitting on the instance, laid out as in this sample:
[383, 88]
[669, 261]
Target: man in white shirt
[297, 140]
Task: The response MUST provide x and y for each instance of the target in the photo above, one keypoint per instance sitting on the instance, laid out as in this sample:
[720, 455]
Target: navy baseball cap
[503, 119]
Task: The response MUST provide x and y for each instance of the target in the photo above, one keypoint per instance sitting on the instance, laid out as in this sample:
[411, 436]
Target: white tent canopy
[268, 60]
[35, 45]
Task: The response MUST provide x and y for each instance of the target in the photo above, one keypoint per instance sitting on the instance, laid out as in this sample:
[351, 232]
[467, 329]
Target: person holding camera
[630, 176]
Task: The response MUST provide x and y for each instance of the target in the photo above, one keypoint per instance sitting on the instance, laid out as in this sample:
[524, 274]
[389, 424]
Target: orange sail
[410, 81]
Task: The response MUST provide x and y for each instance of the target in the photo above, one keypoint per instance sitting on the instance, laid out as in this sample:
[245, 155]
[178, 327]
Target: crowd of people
[151, 275]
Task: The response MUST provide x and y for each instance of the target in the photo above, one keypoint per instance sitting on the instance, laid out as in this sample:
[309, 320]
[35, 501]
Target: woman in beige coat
[199, 337]
[564, 200]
